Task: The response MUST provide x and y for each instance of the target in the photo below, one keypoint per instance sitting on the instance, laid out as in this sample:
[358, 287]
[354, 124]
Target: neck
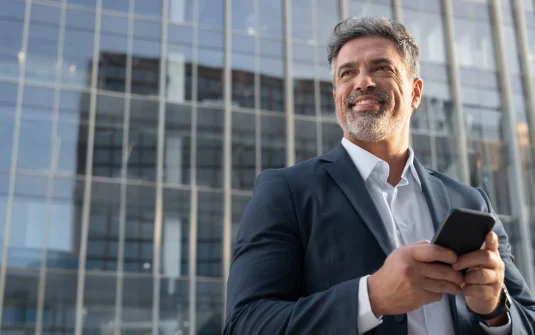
[394, 151]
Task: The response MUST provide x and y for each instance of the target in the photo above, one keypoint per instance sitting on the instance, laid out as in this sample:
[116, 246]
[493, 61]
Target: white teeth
[367, 102]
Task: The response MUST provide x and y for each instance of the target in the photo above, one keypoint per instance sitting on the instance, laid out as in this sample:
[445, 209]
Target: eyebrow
[375, 61]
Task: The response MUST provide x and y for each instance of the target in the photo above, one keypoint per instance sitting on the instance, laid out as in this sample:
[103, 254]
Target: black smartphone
[464, 230]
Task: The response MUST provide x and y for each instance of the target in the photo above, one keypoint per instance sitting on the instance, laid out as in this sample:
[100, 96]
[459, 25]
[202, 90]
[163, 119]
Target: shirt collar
[366, 161]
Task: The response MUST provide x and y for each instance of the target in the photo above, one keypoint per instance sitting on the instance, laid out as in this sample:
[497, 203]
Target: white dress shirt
[405, 213]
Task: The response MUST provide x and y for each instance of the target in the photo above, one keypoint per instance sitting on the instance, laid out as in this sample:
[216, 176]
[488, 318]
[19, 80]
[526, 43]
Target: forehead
[367, 48]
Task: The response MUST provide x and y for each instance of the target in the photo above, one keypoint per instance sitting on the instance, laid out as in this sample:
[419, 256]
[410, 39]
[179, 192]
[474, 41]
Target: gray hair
[354, 27]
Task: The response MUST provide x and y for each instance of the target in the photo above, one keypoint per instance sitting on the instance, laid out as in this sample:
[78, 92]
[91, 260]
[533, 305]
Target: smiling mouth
[365, 103]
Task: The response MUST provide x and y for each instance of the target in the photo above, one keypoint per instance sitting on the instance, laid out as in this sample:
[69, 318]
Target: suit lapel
[439, 207]
[346, 175]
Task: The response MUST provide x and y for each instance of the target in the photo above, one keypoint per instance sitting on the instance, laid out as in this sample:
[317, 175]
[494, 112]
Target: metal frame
[288, 84]
[14, 157]
[515, 173]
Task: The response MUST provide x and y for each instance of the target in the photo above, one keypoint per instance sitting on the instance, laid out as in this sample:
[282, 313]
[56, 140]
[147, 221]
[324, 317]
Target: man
[339, 244]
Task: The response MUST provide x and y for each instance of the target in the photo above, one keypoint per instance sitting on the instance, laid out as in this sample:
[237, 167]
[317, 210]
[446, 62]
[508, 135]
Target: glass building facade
[131, 133]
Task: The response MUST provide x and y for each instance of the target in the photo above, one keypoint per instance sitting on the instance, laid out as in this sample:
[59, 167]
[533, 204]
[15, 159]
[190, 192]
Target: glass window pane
[271, 17]
[85, 3]
[175, 233]
[243, 68]
[59, 314]
[77, 58]
[210, 147]
[80, 20]
[112, 62]
[147, 29]
[4, 190]
[152, 8]
[11, 27]
[34, 144]
[99, 302]
[27, 225]
[328, 15]
[174, 306]
[139, 226]
[243, 16]
[180, 11]
[326, 99]
[271, 75]
[103, 227]
[209, 307]
[305, 140]
[421, 144]
[273, 130]
[146, 67]
[362, 8]
[42, 53]
[210, 67]
[143, 139]
[239, 203]
[331, 134]
[177, 149]
[243, 150]
[302, 20]
[211, 13]
[179, 61]
[117, 5]
[447, 157]
[20, 299]
[209, 234]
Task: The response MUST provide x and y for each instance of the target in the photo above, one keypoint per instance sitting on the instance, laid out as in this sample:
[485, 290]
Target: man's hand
[409, 279]
[484, 277]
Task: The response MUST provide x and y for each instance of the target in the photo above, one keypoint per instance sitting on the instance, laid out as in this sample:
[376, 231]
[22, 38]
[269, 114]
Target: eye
[345, 73]
[383, 68]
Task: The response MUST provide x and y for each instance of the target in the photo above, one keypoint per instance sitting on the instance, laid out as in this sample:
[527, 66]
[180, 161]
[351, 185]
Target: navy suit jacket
[311, 231]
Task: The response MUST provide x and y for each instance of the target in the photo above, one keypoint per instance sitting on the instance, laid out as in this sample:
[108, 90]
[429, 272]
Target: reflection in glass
[177, 147]
[271, 17]
[447, 156]
[305, 140]
[273, 141]
[210, 147]
[77, 58]
[18, 315]
[174, 306]
[180, 11]
[103, 231]
[139, 228]
[42, 53]
[239, 203]
[428, 31]
[179, 59]
[146, 56]
[112, 62]
[27, 221]
[108, 146]
[209, 234]
[99, 303]
[209, 307]
[474, 44]
[243, 16]
[243, 150]
[142, 139]
[210, 67]
[59, 312]
[11, 28]
[303, 83]
[331, 134]
[175, 233]
[243, 68]
[151, 8]
[326, 99]
[271, 75]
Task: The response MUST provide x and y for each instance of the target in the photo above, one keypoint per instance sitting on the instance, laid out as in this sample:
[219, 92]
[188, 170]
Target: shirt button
[399, 318]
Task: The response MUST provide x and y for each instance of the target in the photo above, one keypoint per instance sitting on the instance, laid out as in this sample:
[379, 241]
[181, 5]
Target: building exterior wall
[131, 133]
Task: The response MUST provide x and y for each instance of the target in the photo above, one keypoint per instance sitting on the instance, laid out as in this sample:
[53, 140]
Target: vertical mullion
[516, 186]
[461, 139]
[317, 87]
[55, 146]
[258, 124]
[89, 175]
[288, 84]
[14, 157]
[398, 12]
[227, 149]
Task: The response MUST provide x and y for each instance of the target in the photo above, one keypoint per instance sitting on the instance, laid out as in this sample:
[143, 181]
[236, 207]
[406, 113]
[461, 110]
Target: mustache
[380, 95]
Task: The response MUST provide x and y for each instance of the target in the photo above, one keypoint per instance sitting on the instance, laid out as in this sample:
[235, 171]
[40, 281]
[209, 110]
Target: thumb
[422, 242]
[491, 241]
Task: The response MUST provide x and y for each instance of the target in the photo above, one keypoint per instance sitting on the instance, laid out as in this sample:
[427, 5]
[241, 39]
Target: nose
[363, 81]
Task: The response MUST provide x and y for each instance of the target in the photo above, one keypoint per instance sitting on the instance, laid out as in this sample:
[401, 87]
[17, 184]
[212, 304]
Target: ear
[417, 87]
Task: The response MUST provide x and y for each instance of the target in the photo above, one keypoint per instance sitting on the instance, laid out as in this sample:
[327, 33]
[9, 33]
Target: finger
[440, 286]
[479, 258]
[441, 272]
[491, 241]
[430, 297]
[480, 276]
[479, 291]
[421, 242]
[433, 253]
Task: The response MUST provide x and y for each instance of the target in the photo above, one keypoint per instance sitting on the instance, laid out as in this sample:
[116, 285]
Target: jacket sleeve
[523, 302]
[265, 278]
